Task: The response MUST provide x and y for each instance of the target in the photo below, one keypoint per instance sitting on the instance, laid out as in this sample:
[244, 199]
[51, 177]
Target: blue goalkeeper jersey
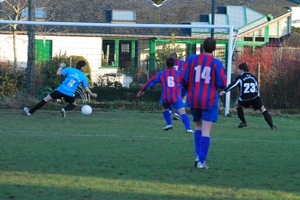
[73, 78]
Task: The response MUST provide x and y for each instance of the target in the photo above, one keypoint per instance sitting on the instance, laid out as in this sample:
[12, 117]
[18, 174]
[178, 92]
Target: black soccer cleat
[242, 124]
[273, 127]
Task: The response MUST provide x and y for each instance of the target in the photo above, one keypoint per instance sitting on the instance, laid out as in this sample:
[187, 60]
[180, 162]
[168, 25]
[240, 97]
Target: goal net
[127, 53]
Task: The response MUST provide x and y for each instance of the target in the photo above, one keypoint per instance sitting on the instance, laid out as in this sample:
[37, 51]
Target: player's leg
[171, 109]
[39, 105]
[204, 144]
[176, 115]
[167, 116]
[179, 105]
[183, 97]
[71, 105]
[197, 118]
[267, 117]
[208, 117]
[240, 114]
[185, 120]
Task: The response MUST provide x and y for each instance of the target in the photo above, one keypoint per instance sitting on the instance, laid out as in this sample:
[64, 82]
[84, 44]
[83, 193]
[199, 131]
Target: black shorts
[58, 95]
[256, 103]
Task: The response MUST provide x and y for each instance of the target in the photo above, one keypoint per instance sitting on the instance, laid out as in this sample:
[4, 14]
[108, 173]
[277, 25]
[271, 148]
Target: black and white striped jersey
[247, 84]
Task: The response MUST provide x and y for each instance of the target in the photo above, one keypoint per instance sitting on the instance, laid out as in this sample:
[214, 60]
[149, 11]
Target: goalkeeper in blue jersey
[73, 78]
[170, 80]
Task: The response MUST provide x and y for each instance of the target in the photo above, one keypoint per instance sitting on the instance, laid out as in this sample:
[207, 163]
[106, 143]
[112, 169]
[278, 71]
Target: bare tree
[12, 10]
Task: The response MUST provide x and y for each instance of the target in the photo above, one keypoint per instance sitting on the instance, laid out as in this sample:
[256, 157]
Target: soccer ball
[86, 110]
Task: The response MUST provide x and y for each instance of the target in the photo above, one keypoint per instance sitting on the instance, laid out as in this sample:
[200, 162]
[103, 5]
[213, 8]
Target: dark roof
[169, 12]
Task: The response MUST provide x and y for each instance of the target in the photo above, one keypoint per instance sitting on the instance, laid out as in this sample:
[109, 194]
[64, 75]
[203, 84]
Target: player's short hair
[80, 64]
[170, 62]
[173, 54]
[209, 45]
[243, 66]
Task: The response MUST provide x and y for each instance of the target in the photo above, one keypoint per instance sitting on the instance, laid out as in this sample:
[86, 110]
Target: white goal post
[230, 36]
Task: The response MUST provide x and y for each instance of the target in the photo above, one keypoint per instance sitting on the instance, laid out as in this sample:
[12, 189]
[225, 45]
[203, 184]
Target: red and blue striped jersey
[203, 75]
[170, 80]
[179, 64]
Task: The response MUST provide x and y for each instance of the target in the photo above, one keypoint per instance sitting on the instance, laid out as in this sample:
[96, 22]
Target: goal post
[223, 33]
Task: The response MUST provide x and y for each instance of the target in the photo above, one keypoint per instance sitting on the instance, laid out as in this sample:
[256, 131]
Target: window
[125, 48]
[119, 16]
[40, 13]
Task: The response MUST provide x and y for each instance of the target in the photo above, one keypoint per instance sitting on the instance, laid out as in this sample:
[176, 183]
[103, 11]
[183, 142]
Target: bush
[10, 82]
[49, 69]
[43, 92]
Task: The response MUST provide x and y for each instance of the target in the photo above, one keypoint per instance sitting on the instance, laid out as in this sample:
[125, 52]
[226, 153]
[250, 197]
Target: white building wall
[7, 51]
[88, 47]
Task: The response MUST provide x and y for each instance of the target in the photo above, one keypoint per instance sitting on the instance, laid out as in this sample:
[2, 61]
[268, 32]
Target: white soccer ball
[86, 110]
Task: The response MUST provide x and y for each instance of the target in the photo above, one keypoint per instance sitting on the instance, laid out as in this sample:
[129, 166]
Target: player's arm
[151, 82]
[90, 92]
[232, 85]
[87, 89]
[61, 67]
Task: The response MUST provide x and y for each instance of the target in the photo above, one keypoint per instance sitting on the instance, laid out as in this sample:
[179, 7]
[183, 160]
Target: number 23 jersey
[247, 84]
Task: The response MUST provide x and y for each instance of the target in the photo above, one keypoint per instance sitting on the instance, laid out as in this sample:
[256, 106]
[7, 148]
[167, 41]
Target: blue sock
[167, 117]
[204, 146]
[197, 137]
[170, 108]
[186, 121]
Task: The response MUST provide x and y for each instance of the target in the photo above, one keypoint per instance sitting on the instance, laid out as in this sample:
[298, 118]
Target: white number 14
[204, 75]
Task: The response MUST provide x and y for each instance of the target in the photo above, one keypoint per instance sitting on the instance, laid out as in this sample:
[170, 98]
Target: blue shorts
[210, 114]
[177, 105]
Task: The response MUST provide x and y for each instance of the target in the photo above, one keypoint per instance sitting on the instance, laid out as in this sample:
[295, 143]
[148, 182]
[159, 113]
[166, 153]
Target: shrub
[49, 69]
[43, 92]
[10, 82]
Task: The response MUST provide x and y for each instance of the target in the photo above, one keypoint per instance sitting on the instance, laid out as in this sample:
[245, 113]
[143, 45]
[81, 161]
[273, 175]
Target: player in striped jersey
[249, 95]
[178, 65]
[203, 75]
[170, 80]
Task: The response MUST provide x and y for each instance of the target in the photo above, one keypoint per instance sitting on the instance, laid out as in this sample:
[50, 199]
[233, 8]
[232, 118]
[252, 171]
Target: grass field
[126, 155]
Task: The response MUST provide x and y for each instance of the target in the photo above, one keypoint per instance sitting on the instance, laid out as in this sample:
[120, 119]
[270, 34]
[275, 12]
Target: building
[110, 48]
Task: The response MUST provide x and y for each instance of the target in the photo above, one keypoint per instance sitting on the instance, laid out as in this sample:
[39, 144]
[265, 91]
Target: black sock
[70, 106]
[37, 106]
[268, 118]
[240, 114]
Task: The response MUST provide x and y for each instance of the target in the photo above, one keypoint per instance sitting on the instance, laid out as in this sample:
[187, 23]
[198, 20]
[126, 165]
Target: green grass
[126, 155]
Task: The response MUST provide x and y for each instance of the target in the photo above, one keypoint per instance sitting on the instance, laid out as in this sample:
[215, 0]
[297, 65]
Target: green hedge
[127, 94]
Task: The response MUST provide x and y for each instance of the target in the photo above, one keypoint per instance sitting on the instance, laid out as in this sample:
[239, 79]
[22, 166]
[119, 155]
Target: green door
[43, 50]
